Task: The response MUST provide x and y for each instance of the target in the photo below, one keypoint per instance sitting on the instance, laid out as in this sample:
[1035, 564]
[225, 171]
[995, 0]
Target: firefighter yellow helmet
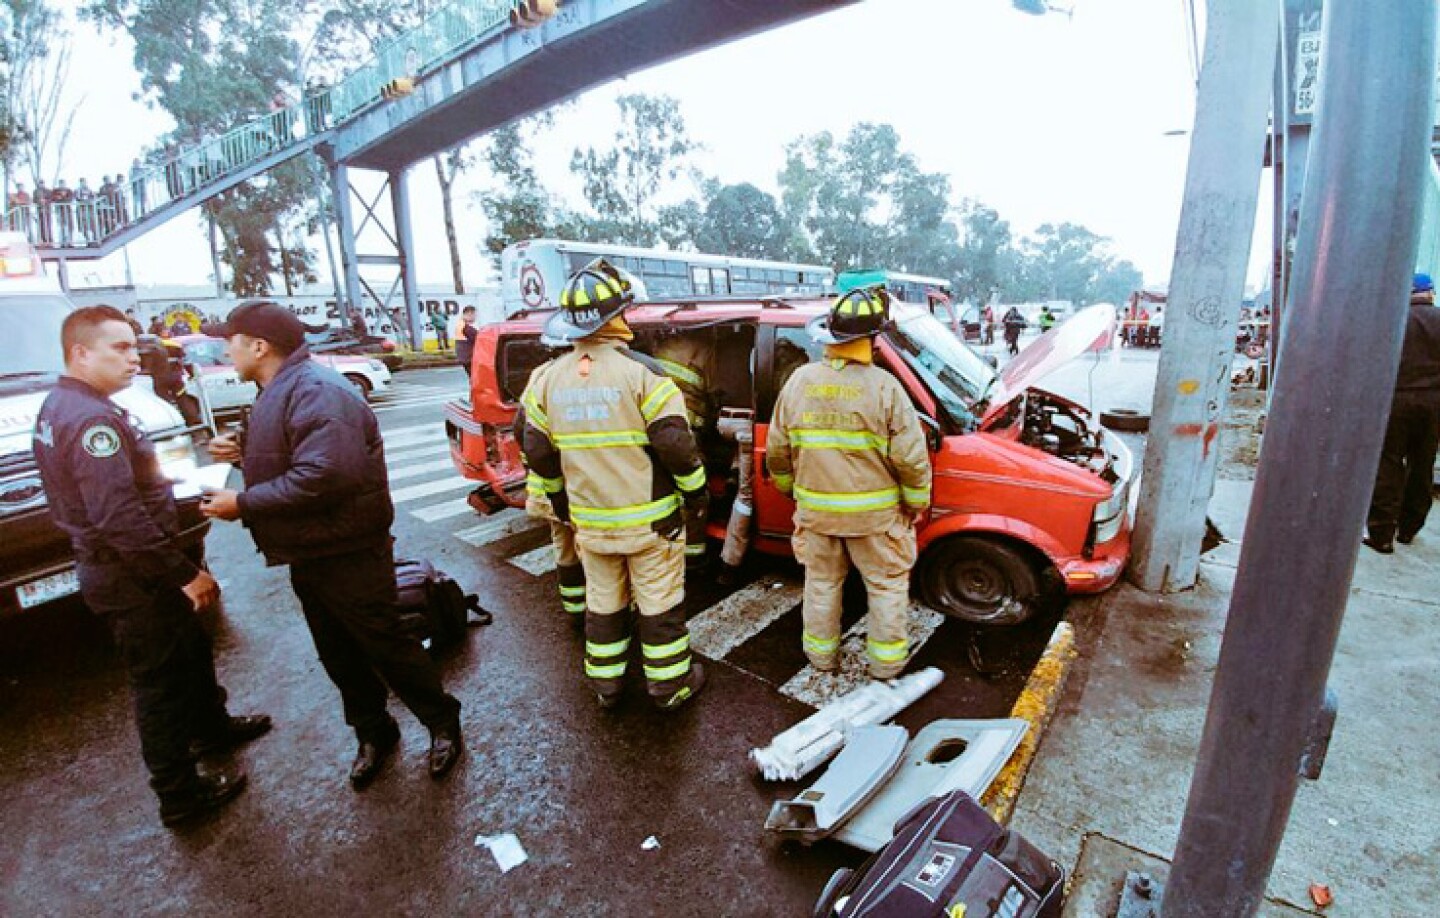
[591, 297]
[859, 313]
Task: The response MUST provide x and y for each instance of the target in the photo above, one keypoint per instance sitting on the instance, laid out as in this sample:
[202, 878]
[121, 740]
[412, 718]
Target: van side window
[792, 348]
[517, 358]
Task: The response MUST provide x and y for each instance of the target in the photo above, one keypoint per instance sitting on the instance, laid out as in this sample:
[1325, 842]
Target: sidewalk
[1119, 754]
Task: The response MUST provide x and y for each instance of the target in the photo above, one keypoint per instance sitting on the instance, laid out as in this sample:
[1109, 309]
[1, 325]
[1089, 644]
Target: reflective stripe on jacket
[689, 359]
[846, 442]
[608, 442]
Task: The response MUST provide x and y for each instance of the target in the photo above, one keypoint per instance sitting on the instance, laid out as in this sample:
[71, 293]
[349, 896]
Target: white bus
[532, 273]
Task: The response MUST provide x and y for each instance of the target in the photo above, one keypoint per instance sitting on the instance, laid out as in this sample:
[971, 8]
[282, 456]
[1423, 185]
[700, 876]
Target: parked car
[336, 341]
[210, 370]
[1029, 491]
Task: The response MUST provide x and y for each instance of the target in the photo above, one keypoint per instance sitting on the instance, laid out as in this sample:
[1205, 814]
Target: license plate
[39, 592]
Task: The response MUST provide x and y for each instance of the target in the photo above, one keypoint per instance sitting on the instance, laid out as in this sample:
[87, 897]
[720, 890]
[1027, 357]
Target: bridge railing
[191, 170]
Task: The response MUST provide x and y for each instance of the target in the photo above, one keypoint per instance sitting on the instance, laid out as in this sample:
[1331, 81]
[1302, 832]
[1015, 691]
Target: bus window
[700, 280]
[719, 281]
[666, 286]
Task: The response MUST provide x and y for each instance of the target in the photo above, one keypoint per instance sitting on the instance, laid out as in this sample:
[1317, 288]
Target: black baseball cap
[262, 319]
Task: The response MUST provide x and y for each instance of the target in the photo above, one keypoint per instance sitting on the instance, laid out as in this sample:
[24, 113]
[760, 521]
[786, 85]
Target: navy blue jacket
[315, 480]
[105, 487]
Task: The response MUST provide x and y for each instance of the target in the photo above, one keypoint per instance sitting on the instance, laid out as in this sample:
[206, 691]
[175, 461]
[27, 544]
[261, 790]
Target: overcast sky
[1047, 119]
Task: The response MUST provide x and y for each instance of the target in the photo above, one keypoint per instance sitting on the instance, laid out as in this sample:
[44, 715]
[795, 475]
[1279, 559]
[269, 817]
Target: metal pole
[215, 258]
[1353, 261]
[405, 242]
[1207, 282]
[345, 227]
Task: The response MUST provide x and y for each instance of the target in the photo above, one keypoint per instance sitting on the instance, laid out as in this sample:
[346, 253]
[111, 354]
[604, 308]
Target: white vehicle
[532, 273]
[211, 370]
[37, 565]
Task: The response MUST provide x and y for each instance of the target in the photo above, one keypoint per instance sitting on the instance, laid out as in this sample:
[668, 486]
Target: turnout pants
[568, 567]
[349, 604]
[1404, 480]
[884, 560]
[170, 666]
[649, 570]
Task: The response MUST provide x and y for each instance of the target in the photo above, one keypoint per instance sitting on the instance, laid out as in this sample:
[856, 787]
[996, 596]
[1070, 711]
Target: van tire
[361, 384]
[980, 580]
[1125, 420]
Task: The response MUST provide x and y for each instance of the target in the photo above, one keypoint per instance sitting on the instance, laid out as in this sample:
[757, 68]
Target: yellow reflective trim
[887, 652]
[613, 649]
[622, 517]
[601, 439]
[613, 671]
[573, 592]
[823, 646]
[579, 297]
[666, 673]
[575, 608]
[847, 502]
[681, 372]
[535, 414]
[661, 651]
[655, 402]
[916, 497]
[693, 481]
[695, 550]
[814, 438]
[783, 481]
[537, 484]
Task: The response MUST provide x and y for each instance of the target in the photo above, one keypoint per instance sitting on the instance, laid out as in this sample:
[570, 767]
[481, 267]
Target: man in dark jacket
[1407, 459]
[317, 498]
[465, 341]
[1014, 324]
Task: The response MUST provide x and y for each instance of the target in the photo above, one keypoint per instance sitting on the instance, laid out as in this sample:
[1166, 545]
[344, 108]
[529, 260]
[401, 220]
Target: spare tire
[1125, 420]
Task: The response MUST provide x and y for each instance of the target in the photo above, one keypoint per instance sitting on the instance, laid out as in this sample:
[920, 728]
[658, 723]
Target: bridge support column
[405, 247]
[345, 228]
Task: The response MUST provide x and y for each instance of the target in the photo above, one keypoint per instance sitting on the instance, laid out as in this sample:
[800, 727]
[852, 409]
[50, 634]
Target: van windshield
[957, 376]
[32, 335]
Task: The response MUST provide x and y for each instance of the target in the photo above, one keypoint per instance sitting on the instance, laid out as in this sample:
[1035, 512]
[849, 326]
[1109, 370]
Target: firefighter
[846, 442]
[607, 436]
[688, 358]
[537, 504]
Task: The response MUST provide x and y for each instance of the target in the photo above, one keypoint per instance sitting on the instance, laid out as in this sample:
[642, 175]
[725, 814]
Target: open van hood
[1090, 329]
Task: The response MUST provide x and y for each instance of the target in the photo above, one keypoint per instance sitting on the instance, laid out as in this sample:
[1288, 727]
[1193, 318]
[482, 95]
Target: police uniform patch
[101, 441]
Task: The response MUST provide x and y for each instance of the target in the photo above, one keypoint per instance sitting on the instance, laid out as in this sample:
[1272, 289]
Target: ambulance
[37, 566]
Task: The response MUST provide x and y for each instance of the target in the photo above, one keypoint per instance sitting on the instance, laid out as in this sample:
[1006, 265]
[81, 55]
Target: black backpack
[947, 851]
[434, 606]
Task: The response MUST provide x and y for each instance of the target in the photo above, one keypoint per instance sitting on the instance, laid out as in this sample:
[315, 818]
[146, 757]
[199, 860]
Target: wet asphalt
[580, 788]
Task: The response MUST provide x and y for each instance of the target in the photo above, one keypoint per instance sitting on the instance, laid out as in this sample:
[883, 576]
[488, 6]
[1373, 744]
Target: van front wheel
[980, 581]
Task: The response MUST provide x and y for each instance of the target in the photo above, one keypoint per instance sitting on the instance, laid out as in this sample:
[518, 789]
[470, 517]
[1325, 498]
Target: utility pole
[1359, 227]
[1207, 281]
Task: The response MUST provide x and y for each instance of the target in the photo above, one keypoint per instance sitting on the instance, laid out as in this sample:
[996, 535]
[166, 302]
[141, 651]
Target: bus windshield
[959, 378]
[32, 329]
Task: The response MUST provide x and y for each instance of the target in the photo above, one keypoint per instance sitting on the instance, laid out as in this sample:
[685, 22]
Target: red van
[1029, 490]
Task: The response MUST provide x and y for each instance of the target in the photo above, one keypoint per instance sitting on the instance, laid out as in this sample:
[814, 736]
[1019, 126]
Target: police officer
[107, 493]
[1403, 482]
[568, 569]
[845, 440]
[318, 499]
[607, 435]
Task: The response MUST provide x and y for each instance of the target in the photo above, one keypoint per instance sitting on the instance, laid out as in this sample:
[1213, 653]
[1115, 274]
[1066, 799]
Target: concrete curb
[1036, 704]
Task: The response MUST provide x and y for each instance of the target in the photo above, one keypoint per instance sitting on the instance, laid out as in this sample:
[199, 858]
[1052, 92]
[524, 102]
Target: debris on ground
[508, 851]
[1320, 894]
[650, 844]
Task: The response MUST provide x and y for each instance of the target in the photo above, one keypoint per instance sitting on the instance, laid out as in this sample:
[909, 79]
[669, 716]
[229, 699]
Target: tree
[34, 125]
[1115, 282]
[517, 206]
[623, 184]
[213, 65]
[741, 220]
[986, 257]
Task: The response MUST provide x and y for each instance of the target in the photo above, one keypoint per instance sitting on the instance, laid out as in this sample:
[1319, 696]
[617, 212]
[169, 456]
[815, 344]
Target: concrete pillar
[405, 243]
[1207, 281]
[345, 228]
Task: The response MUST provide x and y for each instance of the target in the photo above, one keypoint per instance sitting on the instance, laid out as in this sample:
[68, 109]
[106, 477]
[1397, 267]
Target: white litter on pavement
[508, 851]
[650, 844]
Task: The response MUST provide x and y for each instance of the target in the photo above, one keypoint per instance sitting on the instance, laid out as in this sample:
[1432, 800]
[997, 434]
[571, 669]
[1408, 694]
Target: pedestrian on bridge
[1405, 478]
[845, 441]
[317, 498]
[608, 438]
[107, 493]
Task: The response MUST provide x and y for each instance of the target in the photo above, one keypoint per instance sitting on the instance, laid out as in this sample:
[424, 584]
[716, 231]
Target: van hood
[18, 413]
[1090, 329]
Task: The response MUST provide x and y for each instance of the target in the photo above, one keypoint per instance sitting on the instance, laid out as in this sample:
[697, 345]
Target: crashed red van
[1029, 490]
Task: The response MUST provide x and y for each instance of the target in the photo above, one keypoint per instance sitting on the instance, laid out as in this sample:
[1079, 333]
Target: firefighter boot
[671, 676]
[607, 647]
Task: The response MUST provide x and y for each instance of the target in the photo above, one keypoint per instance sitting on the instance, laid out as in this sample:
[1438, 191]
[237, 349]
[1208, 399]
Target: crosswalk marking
[818, 689]
[743, 614]
[402, 432]
[430, 488]
[424, 468]
[537, 562]
[507, 522]
[445, 510]
[417, 403]
[435, 434]
[410, 454]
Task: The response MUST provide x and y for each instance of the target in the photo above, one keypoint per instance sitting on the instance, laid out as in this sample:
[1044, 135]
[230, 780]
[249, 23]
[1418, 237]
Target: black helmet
[861, 313]
[592, 296]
